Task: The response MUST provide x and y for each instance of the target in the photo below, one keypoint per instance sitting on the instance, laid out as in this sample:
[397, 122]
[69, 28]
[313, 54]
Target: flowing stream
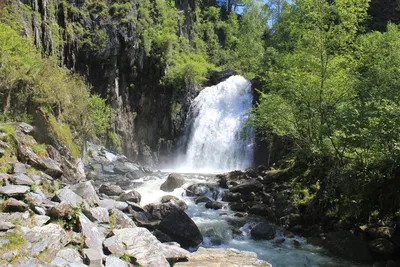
[213, 143]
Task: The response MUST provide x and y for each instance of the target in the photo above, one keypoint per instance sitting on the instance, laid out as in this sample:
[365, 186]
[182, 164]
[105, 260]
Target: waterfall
[213, 136]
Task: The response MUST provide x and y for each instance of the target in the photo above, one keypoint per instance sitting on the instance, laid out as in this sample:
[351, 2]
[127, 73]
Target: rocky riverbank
[269, 194]
[55, 213]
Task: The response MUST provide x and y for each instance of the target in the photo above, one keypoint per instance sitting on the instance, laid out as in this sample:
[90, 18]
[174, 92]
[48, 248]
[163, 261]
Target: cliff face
[106, 48]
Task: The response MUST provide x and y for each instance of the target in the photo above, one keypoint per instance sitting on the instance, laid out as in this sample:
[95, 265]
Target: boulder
[348, 245]
[70, 255]
[201, 199]
[291, 220]
[121, 166]
[263, 210]
[179, 226]
[159, 211]
[87, 192]
[13, 205]
[14, 190]
[199, 189]
[110, 204]
[94, 237]
[93, 257]
[5, 226]
[98, 214]
[112, 261]
[19, 167]
[50, 238]
[247, 187]
[61, 210]
[214, 205]
[121, 220]
[239, 206]
[173, 181]
[222, 257]
[263, 231]
[138, 243]
[21, 179]
[68, 196]
[110, 190]
[382, 247]
[132, 196]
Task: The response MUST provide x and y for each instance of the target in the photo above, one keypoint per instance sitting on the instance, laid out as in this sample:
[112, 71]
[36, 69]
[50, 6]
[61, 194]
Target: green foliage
[16, 240]
[100, 114]
[120, 10]
[40, 149]
[63, 132]
[98, 7]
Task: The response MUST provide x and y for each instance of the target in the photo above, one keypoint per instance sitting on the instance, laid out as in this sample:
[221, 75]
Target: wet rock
[173, 181]
[169, 198]
[68, 196]
[382, 247]
[232, 197]
[247, 187]
[296, 243]
[196, 190]
[242, 207]
[315, 241]
[263, 231]
[178, 225]
[132, 196]
[250, 172]
[263, 210]
[214, 205]
[348, 245]
[159, 211]
[13, 205]
[138, 243]
[201, 199]
[110, 190]
[222, 257]
[87, 192]
[278, 241]
[21, 179]
[14, 190]
[141, 218]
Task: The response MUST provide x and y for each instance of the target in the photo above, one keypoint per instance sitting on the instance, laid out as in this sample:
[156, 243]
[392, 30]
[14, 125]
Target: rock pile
[47, 221]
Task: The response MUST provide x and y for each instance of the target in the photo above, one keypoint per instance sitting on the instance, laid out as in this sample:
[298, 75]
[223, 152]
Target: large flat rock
[223, 258]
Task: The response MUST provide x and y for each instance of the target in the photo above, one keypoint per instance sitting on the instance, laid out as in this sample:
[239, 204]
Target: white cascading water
[214, 138]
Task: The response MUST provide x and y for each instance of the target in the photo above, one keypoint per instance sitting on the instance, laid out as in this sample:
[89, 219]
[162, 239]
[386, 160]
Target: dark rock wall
[119, 70]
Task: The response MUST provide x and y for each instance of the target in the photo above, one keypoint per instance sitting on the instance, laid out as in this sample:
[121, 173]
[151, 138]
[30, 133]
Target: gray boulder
[173, 181]
[14, 190]
[263, 231]
[13, 205]
[93, 235]
[247, 187]
[87, 192]
[138, 243]
[382, 247]
[132, 196]
[112, 261]
[21, 179]
[181, 228]
[68, 196]
[110, 190]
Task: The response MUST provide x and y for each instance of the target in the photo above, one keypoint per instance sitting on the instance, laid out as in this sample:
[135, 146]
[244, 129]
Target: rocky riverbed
[55, 213]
